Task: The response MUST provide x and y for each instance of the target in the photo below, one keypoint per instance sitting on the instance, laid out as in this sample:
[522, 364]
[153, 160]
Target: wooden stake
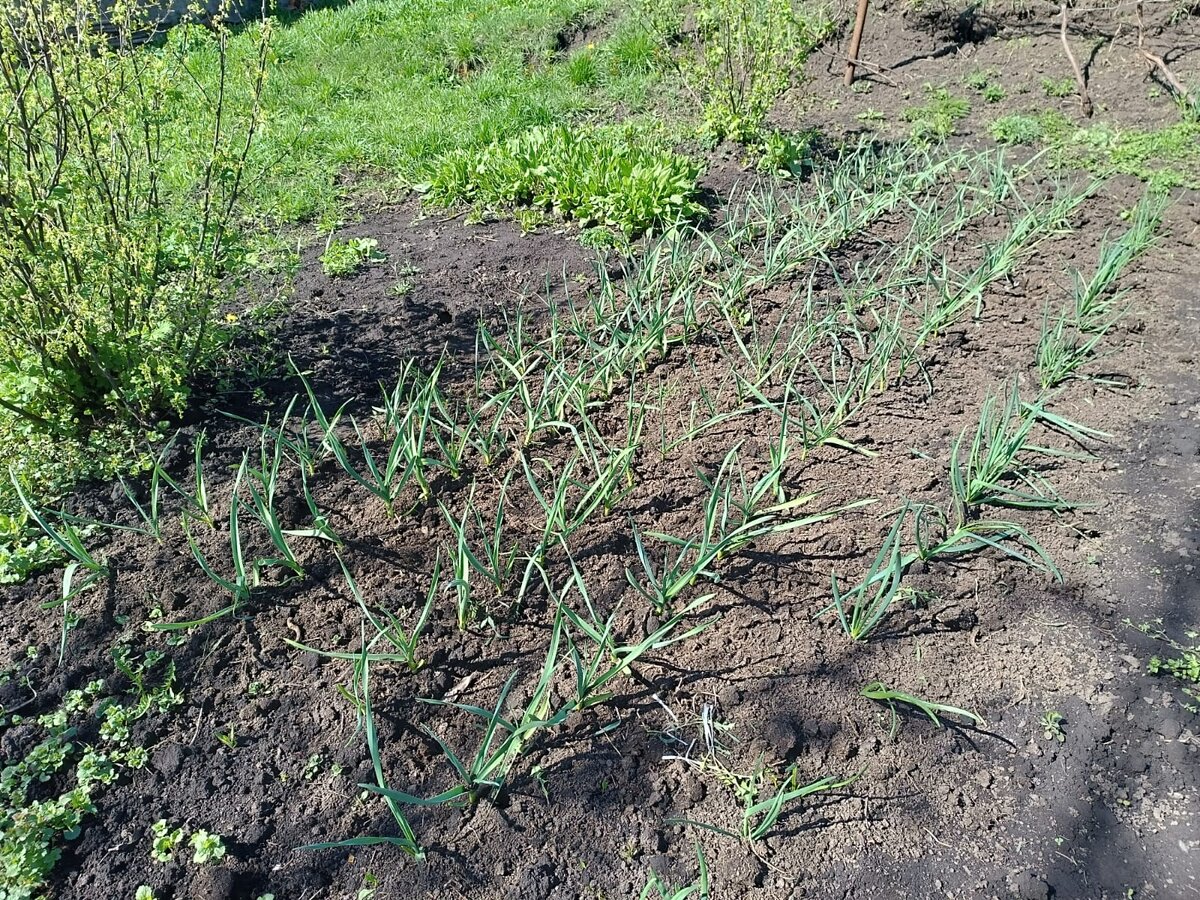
[1085, 102]
[860, 22]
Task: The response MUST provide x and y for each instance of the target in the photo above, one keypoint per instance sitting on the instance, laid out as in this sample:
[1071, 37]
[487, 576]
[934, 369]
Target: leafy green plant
[207, 847]
[786, 154]
[615, 176]
[346, 257]
[1015, 129]
[1058, 87]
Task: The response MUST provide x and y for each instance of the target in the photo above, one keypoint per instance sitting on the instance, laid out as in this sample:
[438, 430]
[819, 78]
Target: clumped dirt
[908, 48]
[590, 811]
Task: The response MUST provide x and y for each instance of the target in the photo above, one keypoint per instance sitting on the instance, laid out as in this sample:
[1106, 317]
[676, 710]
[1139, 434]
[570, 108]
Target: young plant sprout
[877, 690]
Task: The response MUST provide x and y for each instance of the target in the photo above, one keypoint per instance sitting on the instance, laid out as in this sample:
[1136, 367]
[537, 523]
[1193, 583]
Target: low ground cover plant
[614, 176]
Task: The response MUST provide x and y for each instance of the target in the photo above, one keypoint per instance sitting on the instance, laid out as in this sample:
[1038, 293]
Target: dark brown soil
[995, 811]
[908, 47]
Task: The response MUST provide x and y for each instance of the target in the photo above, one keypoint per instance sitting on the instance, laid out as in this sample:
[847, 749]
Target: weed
[164, 840]
[1164, 158]
[1182, 664]
[934, 121]
[207, 847]
[46, 793]
[343, 258]
[985, 83]
[1058, 87]
[1015, 129]
[1051, 724]
[1184, 667]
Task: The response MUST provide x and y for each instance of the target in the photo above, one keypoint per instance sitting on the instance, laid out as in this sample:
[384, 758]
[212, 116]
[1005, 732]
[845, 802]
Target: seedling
[877, 690]
[164, 840]
[388, 629]
[760, 817]
[208, 847]
[608, 660]
[993, 471]
[407, 840]
[1051, 724]
[502, 744]
[730, 525]
[657, 889]
[861, 609]
[69, 539]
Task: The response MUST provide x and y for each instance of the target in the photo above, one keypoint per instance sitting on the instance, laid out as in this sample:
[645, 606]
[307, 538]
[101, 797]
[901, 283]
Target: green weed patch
[610, 176]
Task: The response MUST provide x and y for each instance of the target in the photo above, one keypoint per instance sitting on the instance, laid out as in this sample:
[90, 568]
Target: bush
[119, 180]
[745, 52]
[612, 176]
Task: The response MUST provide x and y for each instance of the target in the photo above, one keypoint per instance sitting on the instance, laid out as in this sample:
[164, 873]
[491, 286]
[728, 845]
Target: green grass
[387, 87]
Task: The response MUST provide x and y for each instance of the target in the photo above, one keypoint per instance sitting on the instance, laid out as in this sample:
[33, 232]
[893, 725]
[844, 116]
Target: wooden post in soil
[860, 22]
[1085, 102]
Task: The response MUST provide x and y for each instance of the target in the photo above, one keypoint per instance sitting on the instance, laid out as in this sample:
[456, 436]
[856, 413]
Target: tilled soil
[592, 809]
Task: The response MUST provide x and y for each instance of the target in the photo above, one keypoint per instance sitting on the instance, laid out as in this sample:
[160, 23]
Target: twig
[874, 68]
[860, 22]
[1157, 62]
[1085, 102]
